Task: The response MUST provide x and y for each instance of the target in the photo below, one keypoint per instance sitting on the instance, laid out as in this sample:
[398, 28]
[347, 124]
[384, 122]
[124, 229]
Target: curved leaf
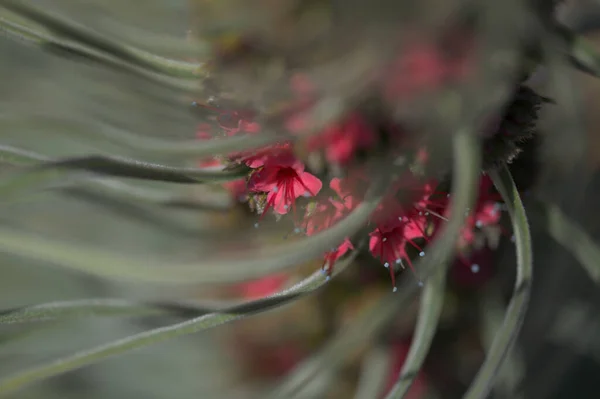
[239, 266]
[68, 309]
[84, 358]
[512, 371]
[130, 168]
[430, 309]
[506, 335]
[88, 40]
[117, 190]
[582, 53]
[373, 374]
[574, 238]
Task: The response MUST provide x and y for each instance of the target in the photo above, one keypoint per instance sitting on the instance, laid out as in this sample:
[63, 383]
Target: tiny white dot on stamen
[306, 194]
[420, 283]
[420, 213]
[256, 225]
[426, 213]
[479, 224]
[297, 230]
[421, 253]
[286, 206]
[384, 239]
[398, 261]
[327, 278]
[395, 289]
[386, 265]
[475, 268]
[275, 189]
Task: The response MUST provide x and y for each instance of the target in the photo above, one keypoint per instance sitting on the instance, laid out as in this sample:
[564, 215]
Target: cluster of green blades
[98, 174]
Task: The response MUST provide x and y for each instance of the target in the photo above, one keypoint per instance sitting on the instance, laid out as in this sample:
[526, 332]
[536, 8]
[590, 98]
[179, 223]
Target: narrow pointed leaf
[568, 234]
[315, 281]
[117, 190]
[515, 313]
[88, 39]
[374, 372]
[129, 168]
[236, 266]
[430, 309]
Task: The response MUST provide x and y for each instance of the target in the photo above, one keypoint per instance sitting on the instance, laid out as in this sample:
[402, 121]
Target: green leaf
[374, 373]
[237, 266]
[512, 371]
[574, 238]
[467, 163]
[430, 309]
[94, 355]
[582, 53]
[77, 308]
[88, 43]
[117, 190]
[507, 333]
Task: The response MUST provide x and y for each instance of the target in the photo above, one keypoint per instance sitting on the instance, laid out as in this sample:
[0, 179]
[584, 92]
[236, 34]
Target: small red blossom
[323, 214]
[389, 241]
[424, 67]
[280, 153]
[284, 179]
[487, 212]
[341, 140]
[350, 189]
[418, 68]
[331, 257]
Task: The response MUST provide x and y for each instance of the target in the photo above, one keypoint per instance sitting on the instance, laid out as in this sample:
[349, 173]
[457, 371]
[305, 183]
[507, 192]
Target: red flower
[322, 215]
[389, 241]
[424, 66]
[283, 177]
[331, 257]
[487, 212]
[342, 140]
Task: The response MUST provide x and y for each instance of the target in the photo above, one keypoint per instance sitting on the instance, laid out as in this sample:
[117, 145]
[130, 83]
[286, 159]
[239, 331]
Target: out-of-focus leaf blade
[243, 265]
[84, 358]
[130, 168]
[582, 54]
[77, 308]
[117, 190]
[374, 372]
[430, 309]
[574, 238]
[506, 335]
[87, 39]
[513, 369]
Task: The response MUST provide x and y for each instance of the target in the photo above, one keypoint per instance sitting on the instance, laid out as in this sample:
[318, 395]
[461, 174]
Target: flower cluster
[407, 218]
[319, 178]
